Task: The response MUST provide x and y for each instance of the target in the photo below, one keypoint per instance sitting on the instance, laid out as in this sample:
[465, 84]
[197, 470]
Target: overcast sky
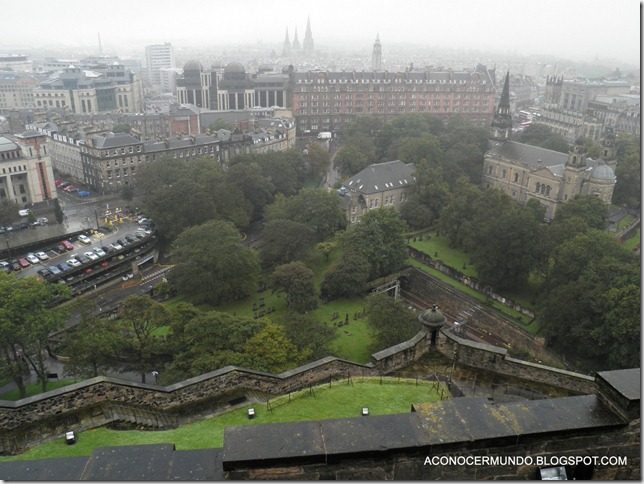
[575, 29]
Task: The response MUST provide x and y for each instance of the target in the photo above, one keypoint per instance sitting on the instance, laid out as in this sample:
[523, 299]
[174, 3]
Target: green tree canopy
[390, 320]
[347, 277]
[284, 241]
[378, 237]
[296, 282]
[212, 265]
[587, 207]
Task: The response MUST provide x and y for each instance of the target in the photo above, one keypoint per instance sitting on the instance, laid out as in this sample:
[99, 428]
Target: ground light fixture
[365, 411]
[251, 413]
[553, 473]
[70, 437]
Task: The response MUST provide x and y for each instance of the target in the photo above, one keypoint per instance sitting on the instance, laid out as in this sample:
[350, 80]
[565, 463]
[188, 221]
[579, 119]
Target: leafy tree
[587, 207]
[296, 282]
[92, 346]
[427, 197]
[141, 316]
[390, 320]
[284, 241]
[127, 193]
[310, 336]
[271, 350]
[208, 341]
[378, 237]
[350, 160]
[537, 210]
[425, 148]
[256, 188]
[348, 277]
[543, 136]
[327, 248]
[8, 211]
[58, 212]
[578, 305]
[317, 161]
[628, 172]
[29, 313]
[31, 218]
[456, 216]
[212, 265]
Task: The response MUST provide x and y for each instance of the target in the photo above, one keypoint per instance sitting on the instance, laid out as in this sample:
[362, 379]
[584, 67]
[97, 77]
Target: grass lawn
[438, 247]
[625, 221]
[35, 389]
[634, 241]
[340, 400]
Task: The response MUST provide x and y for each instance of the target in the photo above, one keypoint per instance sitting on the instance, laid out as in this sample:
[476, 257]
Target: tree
[141, 316]
[256, 188]
[30, 311]
[390, 320]
[346, 278]
[92, 346]
[427, 198]
[212, 265]
[350, 160]
[378, 237]
[457, 215]
[628, 171]
[127, 193]
[541, 135]
[425, 148]
[620, 333]
[271, 350]
[310, 336]
[8, 211]
[587, 207]
[317, 161]
[284, 241]
[58, 212]
[327, 248]
[296, 282]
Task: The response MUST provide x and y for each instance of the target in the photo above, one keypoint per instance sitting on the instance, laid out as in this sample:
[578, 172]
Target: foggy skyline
[580, 30]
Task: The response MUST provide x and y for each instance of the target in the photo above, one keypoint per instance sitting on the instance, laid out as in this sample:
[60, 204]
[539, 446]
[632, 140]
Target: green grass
[634, 241]
[35, 389]
[438, 247]
[625, 221]
[340, 400]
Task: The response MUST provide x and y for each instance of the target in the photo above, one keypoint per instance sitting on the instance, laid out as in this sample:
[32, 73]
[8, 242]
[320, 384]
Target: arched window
[537, 188]
[548, 191]
[516, 177]
[543, 189]
[503, 174]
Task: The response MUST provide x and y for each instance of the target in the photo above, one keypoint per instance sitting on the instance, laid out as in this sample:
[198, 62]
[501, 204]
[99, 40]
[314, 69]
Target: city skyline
[582, 30]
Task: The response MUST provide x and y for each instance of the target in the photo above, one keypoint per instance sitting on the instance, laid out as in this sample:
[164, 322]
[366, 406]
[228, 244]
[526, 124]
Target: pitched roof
[533, 156]
[381, 177]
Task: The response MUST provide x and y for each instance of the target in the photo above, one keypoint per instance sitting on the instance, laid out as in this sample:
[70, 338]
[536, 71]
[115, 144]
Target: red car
[70, 188]
[23, 262]
[67, 244]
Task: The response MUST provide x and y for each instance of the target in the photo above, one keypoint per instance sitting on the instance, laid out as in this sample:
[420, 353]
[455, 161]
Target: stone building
[328, 101]
[195, 86]
[527, 172]
[377, 186]
[27, 174]
[16, 91]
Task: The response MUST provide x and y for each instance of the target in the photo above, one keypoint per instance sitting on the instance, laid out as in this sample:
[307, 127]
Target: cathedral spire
[287, 45]
[296, 43]
[307, 45]
[501, 126]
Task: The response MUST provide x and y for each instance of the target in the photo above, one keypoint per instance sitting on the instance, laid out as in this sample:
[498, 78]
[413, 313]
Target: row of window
[14, 169]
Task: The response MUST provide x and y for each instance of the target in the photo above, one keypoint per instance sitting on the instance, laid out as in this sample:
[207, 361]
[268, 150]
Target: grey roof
[7, 145]
[533, 156]
[416, 75]
[603, 172]
[381, 177]
[112, 140]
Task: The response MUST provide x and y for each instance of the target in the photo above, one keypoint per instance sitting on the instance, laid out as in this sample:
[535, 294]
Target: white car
[42, 255]
[23, 212]
[116, 246]
[99, 252]
[91, 255]
[73, 263]
[32, 258]
[84, 239]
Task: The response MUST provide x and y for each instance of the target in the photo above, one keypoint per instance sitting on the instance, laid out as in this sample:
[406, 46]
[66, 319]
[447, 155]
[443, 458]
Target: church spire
[307, 45]
[376, 57]
[287, 45]
[501, 126]
[296, 43]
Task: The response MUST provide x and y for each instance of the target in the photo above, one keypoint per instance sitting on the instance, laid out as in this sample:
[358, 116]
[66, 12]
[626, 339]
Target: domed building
[527, 172]
[194, 86]
[235, 91]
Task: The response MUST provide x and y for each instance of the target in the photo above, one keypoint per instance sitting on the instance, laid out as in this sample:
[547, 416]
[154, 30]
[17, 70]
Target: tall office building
[157, 57]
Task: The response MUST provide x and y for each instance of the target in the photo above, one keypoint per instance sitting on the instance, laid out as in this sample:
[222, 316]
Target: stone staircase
[137, 417]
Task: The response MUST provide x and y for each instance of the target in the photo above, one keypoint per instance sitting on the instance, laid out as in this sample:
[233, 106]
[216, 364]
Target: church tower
[608, 148]
[574, 170]
[287, 45]
[308, 38]
[376, 57]
[501, 127]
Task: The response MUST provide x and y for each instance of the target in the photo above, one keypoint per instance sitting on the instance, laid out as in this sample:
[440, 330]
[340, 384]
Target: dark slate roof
[532, 156]
[627, 382]
[68, 469]
[112, 140]
[381, 177]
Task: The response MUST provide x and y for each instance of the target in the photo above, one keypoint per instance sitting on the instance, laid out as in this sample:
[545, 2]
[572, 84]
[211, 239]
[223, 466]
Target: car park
[99, 252]
[67, 244]
[42, 255]
[63, 266]
[90, 255]
[32, 258]
[84, 239]
[73, 263]
[23, 262]
[130, 238]
[59, 249]
[122, 242]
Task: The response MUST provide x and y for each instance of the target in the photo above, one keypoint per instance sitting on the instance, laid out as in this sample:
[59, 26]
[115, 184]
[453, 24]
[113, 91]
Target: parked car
[83, 193]
[23, 212]
[116, 246]
[63, 266]
[90, 255]
[59, 249]
[99, 252]
[107, 249]
[23, 262]
[122, 242]
[42, 255]
[63, 184]
[130, 238]
[70, 188]
[54, 270]
[73, 263]
[81, 258]
[22, 226]
[67, 244]
[32, 258]
[16, 266]
[44, 273]
[84, 239]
